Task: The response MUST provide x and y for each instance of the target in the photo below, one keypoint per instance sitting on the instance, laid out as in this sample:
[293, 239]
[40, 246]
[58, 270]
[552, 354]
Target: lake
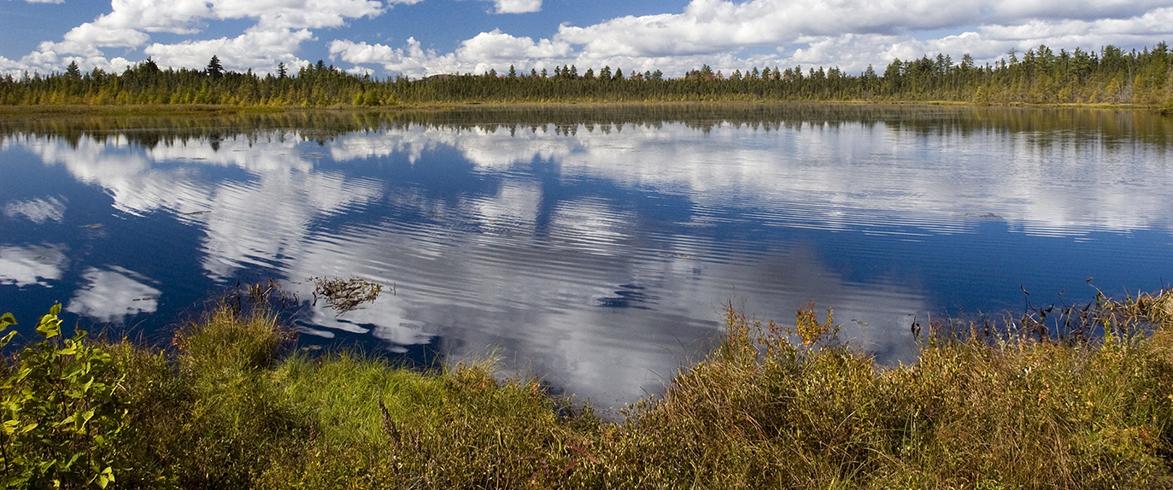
[593, 247]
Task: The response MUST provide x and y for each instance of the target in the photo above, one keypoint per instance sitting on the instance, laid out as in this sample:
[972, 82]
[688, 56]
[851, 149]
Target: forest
[1038, 76]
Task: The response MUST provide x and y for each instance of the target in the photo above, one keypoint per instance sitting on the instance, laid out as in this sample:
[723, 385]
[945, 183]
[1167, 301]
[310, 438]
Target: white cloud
[851, 34]
[411, 59]
[496, 46]
[725, 34]
[517, 6]
[709, 26]
[280, 28]
[255, 48]
[485, 51]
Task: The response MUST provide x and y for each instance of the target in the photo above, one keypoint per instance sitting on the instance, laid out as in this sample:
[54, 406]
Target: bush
[61, 408]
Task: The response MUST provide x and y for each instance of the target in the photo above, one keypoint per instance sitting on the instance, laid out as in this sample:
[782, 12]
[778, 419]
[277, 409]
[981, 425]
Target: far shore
[18, 111]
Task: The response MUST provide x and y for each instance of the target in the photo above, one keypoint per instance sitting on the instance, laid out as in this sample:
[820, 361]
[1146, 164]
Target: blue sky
[423, 37]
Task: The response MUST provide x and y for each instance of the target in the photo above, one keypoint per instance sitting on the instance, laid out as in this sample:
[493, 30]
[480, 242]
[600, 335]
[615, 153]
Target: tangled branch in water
[346, 294]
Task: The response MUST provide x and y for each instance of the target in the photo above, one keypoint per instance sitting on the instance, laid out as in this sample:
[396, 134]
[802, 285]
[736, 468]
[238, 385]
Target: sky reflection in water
[594, 254]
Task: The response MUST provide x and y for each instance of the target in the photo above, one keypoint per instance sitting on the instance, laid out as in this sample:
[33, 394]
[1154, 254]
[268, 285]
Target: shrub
[61, 408]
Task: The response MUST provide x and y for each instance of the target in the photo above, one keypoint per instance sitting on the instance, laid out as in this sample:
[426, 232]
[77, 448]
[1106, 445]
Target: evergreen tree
[149, 66]
[215, 69]
[1107, 75]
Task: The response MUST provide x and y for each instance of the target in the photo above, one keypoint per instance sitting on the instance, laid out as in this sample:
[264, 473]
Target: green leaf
[7, 338]
[49, 326]
[7, 320]
[105, 477]
[73, 459]
[67, 420]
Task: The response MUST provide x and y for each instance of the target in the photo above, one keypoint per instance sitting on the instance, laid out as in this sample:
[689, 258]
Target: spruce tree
[72, 71]
[214, 68]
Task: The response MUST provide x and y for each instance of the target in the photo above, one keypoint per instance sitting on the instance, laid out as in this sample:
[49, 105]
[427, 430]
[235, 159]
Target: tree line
[1040, 75]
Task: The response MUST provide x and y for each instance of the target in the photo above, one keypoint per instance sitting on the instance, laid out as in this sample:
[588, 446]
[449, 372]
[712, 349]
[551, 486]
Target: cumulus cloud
[725, 34]
[481, 53]
[410, 59]
[280, 28]
[255, 48]
[851, 34]
[517, 6]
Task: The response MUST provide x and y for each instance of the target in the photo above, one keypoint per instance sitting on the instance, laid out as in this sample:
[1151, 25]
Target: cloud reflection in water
[599, 256]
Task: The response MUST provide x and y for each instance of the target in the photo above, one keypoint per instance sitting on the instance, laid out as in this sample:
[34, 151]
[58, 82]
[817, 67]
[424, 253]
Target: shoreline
[16, 111]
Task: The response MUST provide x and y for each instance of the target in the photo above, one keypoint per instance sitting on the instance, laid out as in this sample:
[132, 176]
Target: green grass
[232, 405]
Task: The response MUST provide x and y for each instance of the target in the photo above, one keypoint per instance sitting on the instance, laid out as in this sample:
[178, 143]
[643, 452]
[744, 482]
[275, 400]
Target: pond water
[593, 248]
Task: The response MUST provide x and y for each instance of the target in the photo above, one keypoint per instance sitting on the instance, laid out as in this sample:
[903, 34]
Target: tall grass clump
[231, 404]
[1001, 410]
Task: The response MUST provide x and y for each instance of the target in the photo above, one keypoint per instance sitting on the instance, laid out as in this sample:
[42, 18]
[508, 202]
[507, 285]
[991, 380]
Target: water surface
[593, 248]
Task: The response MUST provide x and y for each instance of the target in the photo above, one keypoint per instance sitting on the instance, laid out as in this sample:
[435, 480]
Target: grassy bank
[230, 404]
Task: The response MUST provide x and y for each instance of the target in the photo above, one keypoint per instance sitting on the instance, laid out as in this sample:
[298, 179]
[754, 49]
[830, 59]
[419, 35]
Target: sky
[426, 37]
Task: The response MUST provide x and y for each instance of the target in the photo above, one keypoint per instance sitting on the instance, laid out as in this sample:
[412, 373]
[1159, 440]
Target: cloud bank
[723, 33]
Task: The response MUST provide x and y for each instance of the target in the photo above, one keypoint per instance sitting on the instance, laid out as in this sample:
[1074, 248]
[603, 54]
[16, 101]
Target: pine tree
[72, 71]
[215, 69]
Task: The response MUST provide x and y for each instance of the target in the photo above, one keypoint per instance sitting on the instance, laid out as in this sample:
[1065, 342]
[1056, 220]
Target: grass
[232, 405]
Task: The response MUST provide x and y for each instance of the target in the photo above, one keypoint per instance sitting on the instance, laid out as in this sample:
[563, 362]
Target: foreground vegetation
[1038, 76]
[231, 405]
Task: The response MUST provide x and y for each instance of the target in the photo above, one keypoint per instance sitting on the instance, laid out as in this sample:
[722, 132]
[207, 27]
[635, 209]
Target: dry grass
[231, 407]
